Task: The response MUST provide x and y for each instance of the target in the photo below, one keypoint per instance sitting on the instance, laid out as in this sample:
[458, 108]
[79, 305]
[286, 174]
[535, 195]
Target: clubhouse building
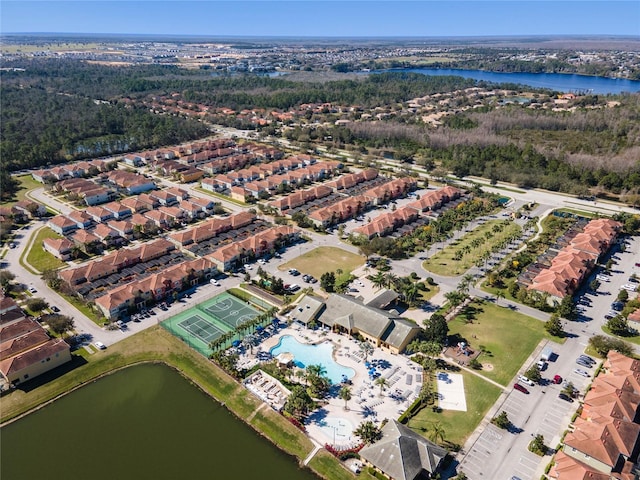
[346, 314]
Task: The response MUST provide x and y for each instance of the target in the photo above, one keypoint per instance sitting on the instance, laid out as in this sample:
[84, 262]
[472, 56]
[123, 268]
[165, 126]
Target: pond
[145, 421]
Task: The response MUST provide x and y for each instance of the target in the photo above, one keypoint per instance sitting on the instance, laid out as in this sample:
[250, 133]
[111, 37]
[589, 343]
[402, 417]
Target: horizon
[323, 18]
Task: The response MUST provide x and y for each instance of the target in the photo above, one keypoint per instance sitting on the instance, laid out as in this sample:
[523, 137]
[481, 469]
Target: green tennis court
[230, 310]
[202, 324]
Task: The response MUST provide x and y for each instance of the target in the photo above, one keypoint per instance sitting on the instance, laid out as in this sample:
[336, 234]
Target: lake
[554, 81]
[142, 422]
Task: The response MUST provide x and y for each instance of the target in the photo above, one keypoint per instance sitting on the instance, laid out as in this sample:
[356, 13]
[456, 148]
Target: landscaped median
[157, 345]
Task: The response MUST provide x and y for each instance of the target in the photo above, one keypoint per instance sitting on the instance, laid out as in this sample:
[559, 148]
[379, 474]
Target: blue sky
[324, 17]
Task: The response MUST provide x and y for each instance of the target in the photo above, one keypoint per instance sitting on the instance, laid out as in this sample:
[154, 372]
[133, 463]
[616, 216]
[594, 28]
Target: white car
[214, 282]
[630, 287]
[100, 345]
[524, 379]
[584, 373]
[262, 261]
[33, 289]
[602, 278]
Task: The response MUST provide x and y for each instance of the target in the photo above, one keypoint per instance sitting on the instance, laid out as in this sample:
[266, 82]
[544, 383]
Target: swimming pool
[305, 355]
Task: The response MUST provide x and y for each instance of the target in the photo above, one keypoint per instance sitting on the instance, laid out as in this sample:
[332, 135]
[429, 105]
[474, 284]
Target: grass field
[480, 396]
[38, 257]
[157, 345]
[325, 259]
[325, 464]
[26, 183]
[443, 263]
[509, 336]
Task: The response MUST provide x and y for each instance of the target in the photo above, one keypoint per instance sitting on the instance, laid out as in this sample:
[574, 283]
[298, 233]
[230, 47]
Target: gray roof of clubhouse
[307, 309]
[398, 331]
[381, 299]
[402, 454]
[350, 313]
[343, 310]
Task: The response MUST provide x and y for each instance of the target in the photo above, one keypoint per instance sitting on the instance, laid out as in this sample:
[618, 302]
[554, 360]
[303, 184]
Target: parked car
[262, 261]
[542, 365]
[583, 363]
[524, 379]
[100, 345]
[520, 388]
[565, 397]
[630, 287]
[634, 280]
[557, 379]
[587, 358]
[33, 289]
[294, 272]
[54, 309]
[214, 282]
[579, 371]
[617, 306]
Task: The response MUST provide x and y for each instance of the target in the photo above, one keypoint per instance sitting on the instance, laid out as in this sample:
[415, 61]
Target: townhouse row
[116, 223]
[157, 287]
[573, 263]
[387, 223]
[604, 441]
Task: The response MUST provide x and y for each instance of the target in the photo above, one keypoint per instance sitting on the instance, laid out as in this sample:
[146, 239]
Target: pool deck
[403, 375]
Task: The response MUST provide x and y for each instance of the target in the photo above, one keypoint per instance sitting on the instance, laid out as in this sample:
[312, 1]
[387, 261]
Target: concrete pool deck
[330, 422]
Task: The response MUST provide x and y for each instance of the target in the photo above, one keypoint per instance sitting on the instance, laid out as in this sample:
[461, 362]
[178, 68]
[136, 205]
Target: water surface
[145, 422]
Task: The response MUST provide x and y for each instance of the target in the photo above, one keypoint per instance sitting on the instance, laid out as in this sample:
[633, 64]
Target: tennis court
[203, 323]
[198, 326]
[230, 310]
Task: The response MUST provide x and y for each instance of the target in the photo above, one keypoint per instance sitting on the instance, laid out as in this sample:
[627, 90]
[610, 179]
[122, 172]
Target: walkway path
[474, 372]
[255, 412]
[316, 447]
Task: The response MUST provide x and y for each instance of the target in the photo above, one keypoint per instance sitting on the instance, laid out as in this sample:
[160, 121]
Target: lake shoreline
[165, 349]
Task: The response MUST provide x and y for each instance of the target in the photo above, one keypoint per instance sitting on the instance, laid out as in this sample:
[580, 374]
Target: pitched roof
[35, 355]
[402, 454]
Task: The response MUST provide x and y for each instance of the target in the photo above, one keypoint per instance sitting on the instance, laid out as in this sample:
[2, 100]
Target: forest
[57, 110]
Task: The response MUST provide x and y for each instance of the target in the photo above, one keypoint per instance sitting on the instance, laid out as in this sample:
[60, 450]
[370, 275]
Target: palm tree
[366, 348]
[455, 298]
[381, 382]
[367, 431]
[378, 280]
[390, 279]
[437, 433]
[345, 394]
[499, 295]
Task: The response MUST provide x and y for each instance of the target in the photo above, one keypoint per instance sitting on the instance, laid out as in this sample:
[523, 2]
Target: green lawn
[26, 183]
[328, 467]
[325, 259]
[480, 396]
[38, 257]
[509, 336]
[443, 262]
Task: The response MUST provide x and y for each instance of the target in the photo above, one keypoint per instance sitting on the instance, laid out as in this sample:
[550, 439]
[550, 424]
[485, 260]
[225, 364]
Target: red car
[520, 388]
[557, 379]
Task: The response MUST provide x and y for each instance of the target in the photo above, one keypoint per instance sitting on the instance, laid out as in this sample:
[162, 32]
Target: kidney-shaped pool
[320, 354]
